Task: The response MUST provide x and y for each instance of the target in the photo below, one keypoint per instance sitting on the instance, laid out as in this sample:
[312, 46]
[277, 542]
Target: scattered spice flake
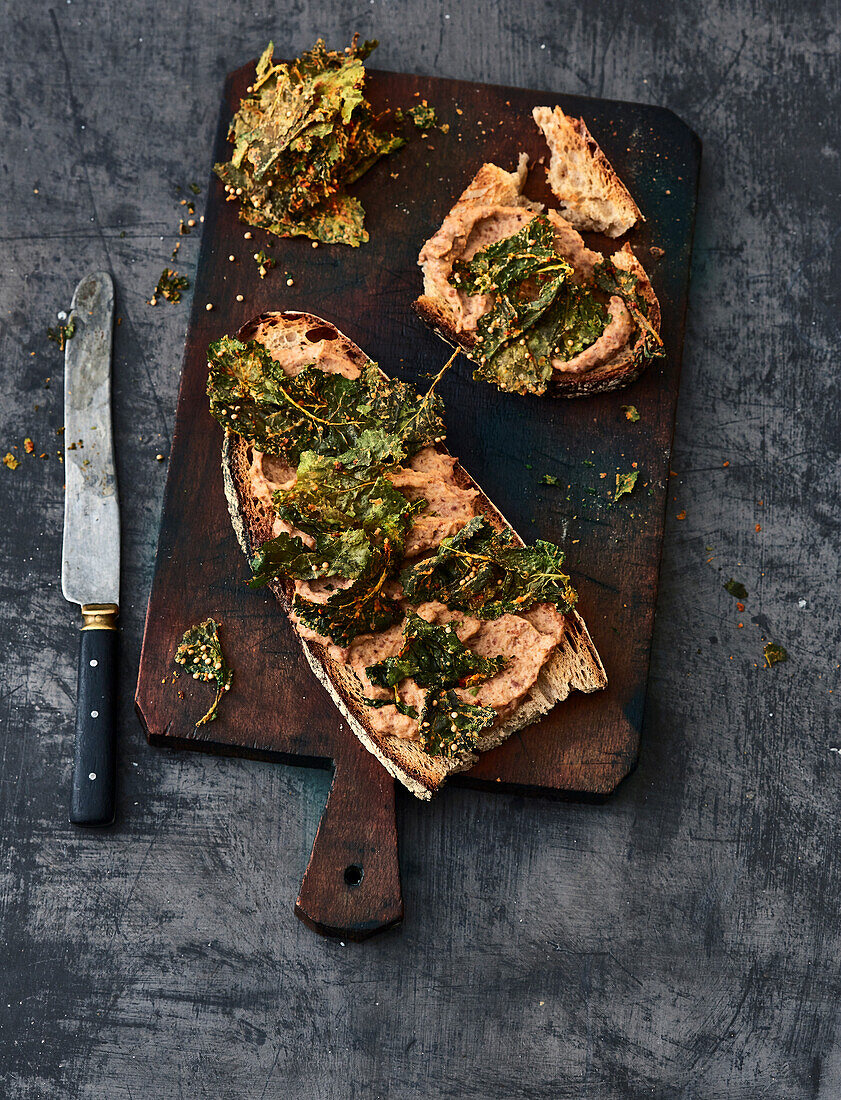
[548, 479]
[736, 589]
[10, 461]
[758, 528]
[740, 607]
[774, 654]
[625, 483]
[681, 515]
[725, 464]
[631, 413]
[194, 187]
[170, 286]
[29, 446]
[264, 263]
[62, 333]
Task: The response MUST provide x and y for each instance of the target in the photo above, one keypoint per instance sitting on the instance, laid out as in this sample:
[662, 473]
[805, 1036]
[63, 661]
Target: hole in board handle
[353, 874]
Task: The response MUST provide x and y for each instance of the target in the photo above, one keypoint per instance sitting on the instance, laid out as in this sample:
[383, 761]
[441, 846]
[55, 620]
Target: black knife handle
[92, 798]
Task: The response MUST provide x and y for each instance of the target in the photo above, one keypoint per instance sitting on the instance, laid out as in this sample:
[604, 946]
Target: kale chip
[488, 574]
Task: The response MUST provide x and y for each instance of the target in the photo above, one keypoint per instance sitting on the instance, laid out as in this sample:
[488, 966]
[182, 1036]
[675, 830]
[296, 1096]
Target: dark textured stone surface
[680, 940]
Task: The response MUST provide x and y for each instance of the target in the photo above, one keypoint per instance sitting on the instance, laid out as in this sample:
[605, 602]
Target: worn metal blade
[90, 560]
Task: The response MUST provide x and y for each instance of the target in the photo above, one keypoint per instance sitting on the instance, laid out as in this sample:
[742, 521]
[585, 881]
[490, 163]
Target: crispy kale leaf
[334, 494]
[538, 313]
[343, 554]
[625, 483]
[448, 727]
[348, 507]
[433, 656]
[62, 333]
[200, 655]
[360, 608]
[314, 411]
[170, 286]
[487, 573]
[355, 499]
[616, 280]
[303, 134]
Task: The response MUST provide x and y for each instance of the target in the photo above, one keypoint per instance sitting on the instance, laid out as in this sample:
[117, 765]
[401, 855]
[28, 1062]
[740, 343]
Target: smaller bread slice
[575, 664]
[494, 189]
[591, 195]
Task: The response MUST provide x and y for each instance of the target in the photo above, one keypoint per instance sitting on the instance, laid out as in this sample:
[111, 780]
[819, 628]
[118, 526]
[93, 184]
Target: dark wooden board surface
[683, 936]
[276, 708]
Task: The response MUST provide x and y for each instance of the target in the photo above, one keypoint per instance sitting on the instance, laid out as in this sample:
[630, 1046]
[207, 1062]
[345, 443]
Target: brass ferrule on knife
[99, 616]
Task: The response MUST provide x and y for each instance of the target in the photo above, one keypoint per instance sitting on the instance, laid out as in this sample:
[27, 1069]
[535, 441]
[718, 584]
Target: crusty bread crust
[591, 195]
[575, 663]
[613, 375]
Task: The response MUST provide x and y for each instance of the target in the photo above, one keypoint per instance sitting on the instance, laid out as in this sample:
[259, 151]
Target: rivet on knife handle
[92, 799]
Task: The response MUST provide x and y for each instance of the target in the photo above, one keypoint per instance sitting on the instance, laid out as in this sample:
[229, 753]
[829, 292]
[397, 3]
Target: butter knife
[90, 562]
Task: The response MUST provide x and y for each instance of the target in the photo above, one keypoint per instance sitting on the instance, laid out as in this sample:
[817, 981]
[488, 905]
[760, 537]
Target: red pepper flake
[758, 527]
[681, 515]
[29, 446]
[725, 464]
[740, 625]
[740, 606]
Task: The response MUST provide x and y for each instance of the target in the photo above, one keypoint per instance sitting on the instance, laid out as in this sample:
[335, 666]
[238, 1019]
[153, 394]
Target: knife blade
[90, 561]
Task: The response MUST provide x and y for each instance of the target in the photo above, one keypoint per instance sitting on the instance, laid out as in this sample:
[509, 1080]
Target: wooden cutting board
[276, 709]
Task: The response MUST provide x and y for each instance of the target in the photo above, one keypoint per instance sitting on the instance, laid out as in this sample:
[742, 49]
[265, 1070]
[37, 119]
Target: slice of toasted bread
[591, 196]
[574, 664]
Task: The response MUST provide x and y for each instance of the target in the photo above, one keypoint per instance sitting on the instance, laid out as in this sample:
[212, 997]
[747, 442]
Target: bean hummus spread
[526, 641]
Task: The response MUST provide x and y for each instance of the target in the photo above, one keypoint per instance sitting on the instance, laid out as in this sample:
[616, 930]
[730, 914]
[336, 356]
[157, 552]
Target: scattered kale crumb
[528, 466]
[62, 333]
[587, 462]
[774, 654]
[548, 479]
[200, 654]
[423, 115]
[170, 286]
[625, 483]
[631, 413]
[264, 263]
[736, 589]
[194, 187]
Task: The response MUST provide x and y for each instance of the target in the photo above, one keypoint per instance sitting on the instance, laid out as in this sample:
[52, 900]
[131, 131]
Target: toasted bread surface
[591, 195]
[575, 664]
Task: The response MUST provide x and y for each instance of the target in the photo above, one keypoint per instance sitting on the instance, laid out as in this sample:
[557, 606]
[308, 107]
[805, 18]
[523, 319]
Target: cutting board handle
[351, 889]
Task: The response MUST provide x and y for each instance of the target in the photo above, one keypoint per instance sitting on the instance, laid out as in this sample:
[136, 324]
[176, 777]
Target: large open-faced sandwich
[517, 288]
[437, 632]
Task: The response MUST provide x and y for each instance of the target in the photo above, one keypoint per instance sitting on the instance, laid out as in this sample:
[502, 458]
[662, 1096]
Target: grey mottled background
[681, 940]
